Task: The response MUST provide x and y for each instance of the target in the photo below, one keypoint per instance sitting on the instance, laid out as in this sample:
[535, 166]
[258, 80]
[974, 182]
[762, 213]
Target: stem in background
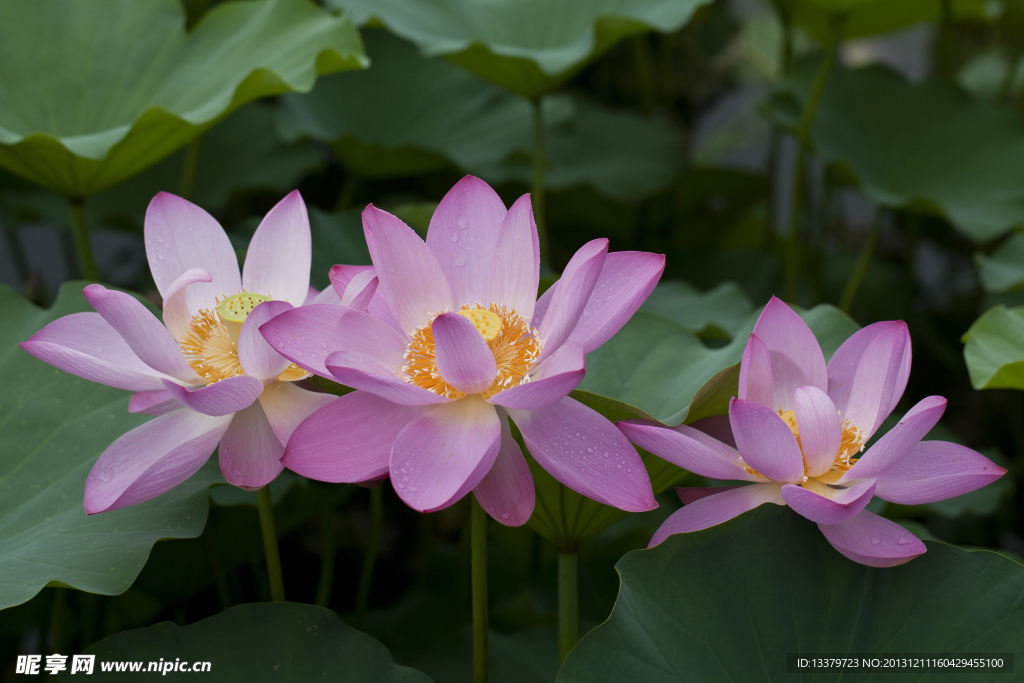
[57, 610]
[861, 267]
[537, 188]
[642, 63]
[478, 553]
[568, 603]
[372, 550]
[82, 244]
[188, 169]
[347, 193]
[223, 592]
[270, 545]
[785, 17]
[323, 590]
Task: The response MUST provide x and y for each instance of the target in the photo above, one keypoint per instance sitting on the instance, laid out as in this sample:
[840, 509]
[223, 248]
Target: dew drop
[905, 541]
[391, 269]
[160, 240]
[619, 465]
[590, 450]
[105, 475]
[280, 345]
[505, 515]
[455, 237]
[629, 470]
[875, 540]
[160, 256]
[460, 260]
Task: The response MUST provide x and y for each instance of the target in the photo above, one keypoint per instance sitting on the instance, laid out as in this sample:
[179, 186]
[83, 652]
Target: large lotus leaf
[529, 47]
[730, 602]
[54, 427]
[1003, 270]
[717, 313]
[94, 91]
[919, 145]
[871, 17]
[994, 349]
[258, 642]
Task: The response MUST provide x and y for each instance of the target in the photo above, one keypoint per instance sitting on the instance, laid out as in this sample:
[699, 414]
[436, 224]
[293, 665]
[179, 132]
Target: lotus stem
[568, 603]
[372, 551]
[861, 267]
[537, 188]
[57, 611]
[323, 590]
[644, 72]
[82, 244]
[478, 554]
[347, 193]
[270, 545]
[188, 169]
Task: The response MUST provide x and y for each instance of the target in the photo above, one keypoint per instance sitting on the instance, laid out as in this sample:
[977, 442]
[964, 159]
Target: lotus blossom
[206, 372]
[797, 431]
[453, 344]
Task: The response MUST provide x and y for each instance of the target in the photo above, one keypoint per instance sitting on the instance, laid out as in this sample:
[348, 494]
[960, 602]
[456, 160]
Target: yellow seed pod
[487, 323]
[236, 308]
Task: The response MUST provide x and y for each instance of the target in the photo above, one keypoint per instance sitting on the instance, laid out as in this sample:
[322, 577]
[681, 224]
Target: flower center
[514, 344]
[851, 442]
[211, 344]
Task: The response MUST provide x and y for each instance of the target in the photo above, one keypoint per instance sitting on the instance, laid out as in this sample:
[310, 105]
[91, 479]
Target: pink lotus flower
[454, 343]
[798, 428]
[206, 371]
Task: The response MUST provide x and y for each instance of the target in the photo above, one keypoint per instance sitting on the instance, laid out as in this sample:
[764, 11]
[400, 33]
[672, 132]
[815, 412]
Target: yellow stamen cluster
[851, 443]
[514, 344]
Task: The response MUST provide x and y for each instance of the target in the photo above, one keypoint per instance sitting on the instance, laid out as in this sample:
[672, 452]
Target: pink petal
[464, 359]
[411, 281]
[715, 509]
[936, 470]
[842, 368]
[626, 280]
[86, 345]
[874, 385]
[341, 275]
[311, 295]
[820, 430]
[587, 453]
[349, 439]
[220, 398]
[796, 356]
[181, 236]
[278, 260]
[462, 237]
[541, 307]
[516, 267]
[370, 374]
[688, 448]
[153, 402]
[445, 453]
[570, 299]
[287, 405]
[691, 494]
[258, 358]
[756, 374]
[873, 541]
[844, 504]
[554, 378]
[360, 291]
[328, 297]
[149, 339]
[151, 459]
[900, 440]
[177, 315]
[765, 442]
[506, 492]
[250, 452]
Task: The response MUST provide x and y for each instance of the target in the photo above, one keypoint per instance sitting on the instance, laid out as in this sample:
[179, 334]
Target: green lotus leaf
[872, 17]
[994, 349]
[1003, 270]
[94, 91]
[55, 425]
[258, 642]
[718, 313]
[529, 47]
[730, 602]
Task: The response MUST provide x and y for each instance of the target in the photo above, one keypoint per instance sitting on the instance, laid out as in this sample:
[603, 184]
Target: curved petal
[258, 358]
[445, 453]
[540, 309]
[555, 378]
[506, 492]
[936, 470]
[796, 356]
[311, 295]
[587, 453]
[821, 432]
[342, 274]
[280, 252]
[892, 447]
[360, 291]
[180, 236]
[370, 374]
[348, 440]
[221, 398]
[328, 297]
[571, 297]
[151, 459]
[87, 346]
[287, 405]
[146, 336]
[827, 505]
[516, 268]
[711, 510]
[153, 402]
[691, 494]
[873, 541]
[627, 278]
[874, 385]
[688, 448]
[176, 314]
[411, 281]
[842, 368]
[464, 360]
[462, 236]
[755, 382]
[765, 442]
[250, 452]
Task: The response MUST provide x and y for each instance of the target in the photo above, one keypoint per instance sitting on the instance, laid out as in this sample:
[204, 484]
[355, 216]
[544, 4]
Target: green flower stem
[82, 244]
[861, 267]
[372, 550]
[188, 169]
[58, 608]
[803, 134]
[270, 545]
[537, 188]
[478, 554]
[323, 590]
[568, 602]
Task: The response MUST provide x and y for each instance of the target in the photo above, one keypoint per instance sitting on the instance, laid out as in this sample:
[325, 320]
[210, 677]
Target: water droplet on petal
[905, 541]
[460, 260]
[875, 540]
[455, 237]
[505, 515]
